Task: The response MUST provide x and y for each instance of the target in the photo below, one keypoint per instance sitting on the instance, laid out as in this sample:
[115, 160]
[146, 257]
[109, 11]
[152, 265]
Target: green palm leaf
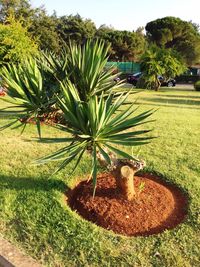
[26, 91]
[98, 126]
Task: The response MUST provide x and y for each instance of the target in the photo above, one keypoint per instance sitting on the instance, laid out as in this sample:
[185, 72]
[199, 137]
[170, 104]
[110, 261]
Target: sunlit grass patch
[34, 214]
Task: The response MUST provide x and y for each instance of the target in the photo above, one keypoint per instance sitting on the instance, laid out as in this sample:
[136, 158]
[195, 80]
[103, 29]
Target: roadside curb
[11, 256]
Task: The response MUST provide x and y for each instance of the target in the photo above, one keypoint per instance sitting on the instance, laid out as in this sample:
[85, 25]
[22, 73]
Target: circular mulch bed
[157, 207]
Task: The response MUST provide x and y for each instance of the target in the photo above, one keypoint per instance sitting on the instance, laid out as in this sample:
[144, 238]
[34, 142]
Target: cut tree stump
[127, 182]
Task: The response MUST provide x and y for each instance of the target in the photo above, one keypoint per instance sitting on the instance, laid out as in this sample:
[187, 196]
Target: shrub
[16, 44]
[143, 83]
[197, 86]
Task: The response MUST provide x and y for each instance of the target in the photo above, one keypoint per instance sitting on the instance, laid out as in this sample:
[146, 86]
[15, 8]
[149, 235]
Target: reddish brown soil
[158, 207]
[50, 119]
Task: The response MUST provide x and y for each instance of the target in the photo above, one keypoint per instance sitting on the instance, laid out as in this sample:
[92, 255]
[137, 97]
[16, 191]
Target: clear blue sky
[124, 14]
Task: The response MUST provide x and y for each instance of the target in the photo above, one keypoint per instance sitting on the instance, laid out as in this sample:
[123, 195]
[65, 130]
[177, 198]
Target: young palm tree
[96, 116]
[91, 106]
[85, 66]
[99, 126]
[27, 93]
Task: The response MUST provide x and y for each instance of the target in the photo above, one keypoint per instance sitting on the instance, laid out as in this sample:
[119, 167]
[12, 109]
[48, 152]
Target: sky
[124, 14]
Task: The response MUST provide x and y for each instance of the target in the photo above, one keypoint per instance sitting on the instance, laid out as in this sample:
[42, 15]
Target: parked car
[116, 79]
[169, 83]
[133, 79]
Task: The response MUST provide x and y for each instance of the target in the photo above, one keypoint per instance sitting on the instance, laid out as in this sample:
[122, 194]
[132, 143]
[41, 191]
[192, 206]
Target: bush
[16, 45]
[143, 83]
[197, 86]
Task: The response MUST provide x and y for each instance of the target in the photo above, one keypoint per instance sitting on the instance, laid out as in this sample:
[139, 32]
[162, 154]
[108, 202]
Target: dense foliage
[157, 62]
[15, 42]
[53, 33]
[125, 45]
[172, 32]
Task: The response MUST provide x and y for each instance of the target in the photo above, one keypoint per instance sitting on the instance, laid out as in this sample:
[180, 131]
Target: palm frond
[26, 91]
[98, 126]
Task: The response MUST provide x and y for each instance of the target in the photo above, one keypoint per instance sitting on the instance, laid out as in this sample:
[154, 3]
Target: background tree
[103, 33]
[75, 28]
[40, 25]
[52, 32]
[157, 62]
[172, 32]
[172, 63]
[44, 27]
[21, 9]
[151, 67]
[15, 42]
[125, 45]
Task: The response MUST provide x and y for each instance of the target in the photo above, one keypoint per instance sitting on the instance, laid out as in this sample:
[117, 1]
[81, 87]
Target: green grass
[34, 214]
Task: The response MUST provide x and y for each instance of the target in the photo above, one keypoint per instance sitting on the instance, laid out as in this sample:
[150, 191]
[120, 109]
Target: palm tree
[98, 126]
[27, 93]
[85, 66]
[97, 117]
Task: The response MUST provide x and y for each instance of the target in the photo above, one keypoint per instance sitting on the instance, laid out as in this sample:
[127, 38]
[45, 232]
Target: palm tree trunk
[124, 176]
[124, 170]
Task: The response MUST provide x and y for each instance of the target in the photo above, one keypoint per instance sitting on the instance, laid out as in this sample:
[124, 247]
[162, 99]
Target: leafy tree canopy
[75, 28]
[15, 42]
[45, 28]
[160, 61]
[38, 23]
[125, 45]
[21, 9]
[172, 32]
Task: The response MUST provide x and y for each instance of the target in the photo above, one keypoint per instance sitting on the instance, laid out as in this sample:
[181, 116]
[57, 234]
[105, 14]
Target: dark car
[116, 79]
[133, 79]
[168, 83]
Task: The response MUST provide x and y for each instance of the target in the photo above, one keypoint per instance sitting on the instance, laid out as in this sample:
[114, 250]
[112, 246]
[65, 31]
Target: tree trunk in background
[157, 84]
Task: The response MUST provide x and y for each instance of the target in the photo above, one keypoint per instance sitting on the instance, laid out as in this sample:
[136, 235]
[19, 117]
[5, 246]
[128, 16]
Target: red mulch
[49, 119]
[158, 207]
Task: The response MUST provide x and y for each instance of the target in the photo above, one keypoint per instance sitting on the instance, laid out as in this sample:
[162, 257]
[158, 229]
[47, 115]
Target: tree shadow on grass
[31, 183]
[168, 102]
[9, 114]
[177, 89]
[179, 96]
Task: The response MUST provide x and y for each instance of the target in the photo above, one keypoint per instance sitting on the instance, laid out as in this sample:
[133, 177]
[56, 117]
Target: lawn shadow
[177, 89]
[31, 183]
[172, 102]
[9, 114]
[179, 96]
[165, 105]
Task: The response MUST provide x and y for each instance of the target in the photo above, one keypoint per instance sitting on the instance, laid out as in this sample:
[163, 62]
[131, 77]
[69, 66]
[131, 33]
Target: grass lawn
[34, 214]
